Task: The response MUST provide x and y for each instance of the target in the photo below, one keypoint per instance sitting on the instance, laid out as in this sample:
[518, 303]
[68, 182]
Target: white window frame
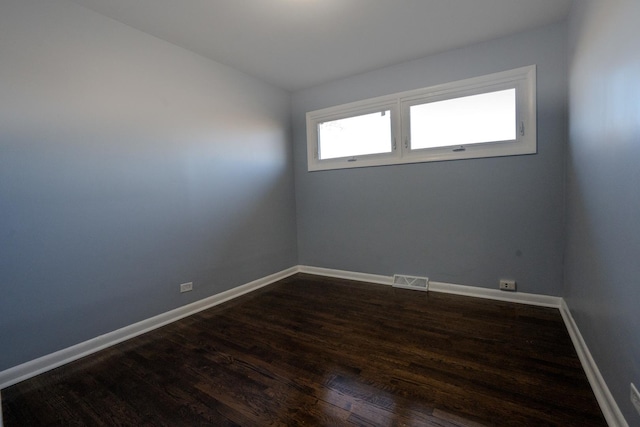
[522, 79]
[350, 110]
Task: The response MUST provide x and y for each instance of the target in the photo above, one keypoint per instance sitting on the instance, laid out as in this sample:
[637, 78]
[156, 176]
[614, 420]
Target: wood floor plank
[314, 351]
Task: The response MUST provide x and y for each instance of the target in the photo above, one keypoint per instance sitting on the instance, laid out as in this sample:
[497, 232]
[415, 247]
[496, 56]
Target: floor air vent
[411, 282]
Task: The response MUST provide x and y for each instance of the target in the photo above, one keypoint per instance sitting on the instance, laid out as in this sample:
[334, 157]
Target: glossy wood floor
[310, 351]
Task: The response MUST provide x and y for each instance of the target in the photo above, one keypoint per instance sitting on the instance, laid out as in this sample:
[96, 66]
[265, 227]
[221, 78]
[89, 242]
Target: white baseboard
[349, 275]
[45, 363]
[496, 294]
[449, 288]
[607, 403]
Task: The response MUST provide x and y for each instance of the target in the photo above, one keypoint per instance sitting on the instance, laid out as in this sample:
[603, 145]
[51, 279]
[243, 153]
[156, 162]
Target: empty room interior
[211, 211]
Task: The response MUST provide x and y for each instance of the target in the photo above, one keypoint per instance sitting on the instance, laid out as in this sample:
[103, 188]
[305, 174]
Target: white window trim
[522, 79]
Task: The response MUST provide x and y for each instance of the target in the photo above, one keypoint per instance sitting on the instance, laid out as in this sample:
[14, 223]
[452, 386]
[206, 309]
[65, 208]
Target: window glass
[486, 117]
[355, 136]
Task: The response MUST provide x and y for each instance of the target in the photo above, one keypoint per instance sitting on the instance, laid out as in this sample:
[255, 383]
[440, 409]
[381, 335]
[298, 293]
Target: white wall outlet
[186, 287]
[508, 285]
[635, 397]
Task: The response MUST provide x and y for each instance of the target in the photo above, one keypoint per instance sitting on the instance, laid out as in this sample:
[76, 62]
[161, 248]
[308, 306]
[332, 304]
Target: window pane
[473, 119]
[355, 136]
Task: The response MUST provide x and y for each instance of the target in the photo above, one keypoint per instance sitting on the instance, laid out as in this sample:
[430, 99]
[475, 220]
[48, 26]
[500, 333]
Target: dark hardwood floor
[310, 351]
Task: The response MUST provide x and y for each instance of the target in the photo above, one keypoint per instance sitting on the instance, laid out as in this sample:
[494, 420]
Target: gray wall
[603, 176]
[128, 166]
[467, 222]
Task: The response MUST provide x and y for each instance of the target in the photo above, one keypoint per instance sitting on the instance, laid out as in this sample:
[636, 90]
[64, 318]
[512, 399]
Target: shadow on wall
[112, 248]
[128, 166]
[599, 288]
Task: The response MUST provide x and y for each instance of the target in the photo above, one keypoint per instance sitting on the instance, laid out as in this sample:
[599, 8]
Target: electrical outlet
[186, 287]
[635, 397]
[508, 285]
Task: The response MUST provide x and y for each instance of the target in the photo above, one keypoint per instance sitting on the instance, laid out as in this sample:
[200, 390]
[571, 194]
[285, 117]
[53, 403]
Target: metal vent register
[411, 282]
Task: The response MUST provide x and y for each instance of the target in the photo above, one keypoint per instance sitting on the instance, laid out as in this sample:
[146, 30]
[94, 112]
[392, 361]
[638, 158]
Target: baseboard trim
[349, 275]
[607, 403]
[605, 399]
[42, 364]
[496, 294]
[449, 288]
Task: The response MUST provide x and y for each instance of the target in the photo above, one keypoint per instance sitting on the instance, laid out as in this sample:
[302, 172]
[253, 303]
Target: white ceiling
[296, 44]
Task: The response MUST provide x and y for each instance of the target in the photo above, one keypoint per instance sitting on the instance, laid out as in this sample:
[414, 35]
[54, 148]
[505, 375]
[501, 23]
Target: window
[355, 136]
[488, 116]
[485, 117]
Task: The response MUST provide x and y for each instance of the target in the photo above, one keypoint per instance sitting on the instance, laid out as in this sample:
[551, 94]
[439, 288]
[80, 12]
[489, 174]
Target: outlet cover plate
[508, 285]
[186, 287]
[635, 397]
